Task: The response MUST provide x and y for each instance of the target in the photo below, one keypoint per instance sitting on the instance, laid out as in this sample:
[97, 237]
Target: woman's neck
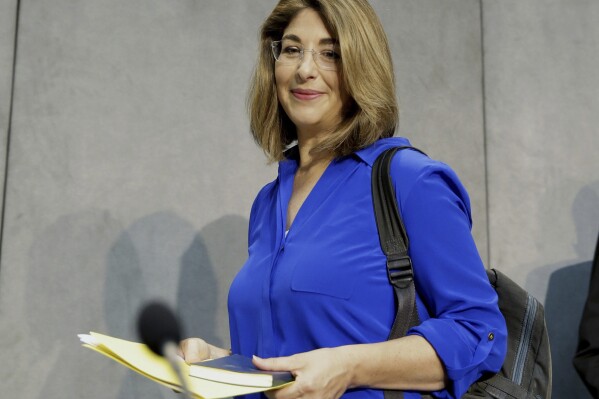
[308, 158]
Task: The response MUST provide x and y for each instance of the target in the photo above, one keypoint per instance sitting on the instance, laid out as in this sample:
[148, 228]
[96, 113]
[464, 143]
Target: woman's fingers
[194, 350]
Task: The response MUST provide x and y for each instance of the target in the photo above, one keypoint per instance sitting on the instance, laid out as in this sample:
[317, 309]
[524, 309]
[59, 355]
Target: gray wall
[131, 171]
[542, 102]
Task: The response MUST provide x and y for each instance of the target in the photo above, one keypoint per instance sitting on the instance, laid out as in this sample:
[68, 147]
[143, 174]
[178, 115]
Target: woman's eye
[330, 55]
[291, 50]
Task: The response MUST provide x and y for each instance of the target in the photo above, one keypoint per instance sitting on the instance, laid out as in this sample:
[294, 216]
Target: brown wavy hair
[366, 74]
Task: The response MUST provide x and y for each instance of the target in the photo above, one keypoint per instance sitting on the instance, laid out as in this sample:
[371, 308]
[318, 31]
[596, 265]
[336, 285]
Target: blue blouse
[324, 284]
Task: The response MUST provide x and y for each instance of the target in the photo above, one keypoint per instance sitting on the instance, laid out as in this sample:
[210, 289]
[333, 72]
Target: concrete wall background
[436, 49]
[131, 170]
[541, 80]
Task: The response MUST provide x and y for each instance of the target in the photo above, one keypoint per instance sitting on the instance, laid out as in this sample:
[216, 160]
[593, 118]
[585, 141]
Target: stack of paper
[139, 358]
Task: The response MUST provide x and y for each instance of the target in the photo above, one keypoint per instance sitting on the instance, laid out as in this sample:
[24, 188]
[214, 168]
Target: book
[139, 358]
[238, 370]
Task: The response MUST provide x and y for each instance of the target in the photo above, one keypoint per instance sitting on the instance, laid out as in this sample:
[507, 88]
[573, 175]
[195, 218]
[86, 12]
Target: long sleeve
[458, 305]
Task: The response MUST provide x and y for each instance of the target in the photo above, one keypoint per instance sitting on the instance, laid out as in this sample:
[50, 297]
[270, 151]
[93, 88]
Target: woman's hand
[404, 363]
[322, 373]
[194, 350]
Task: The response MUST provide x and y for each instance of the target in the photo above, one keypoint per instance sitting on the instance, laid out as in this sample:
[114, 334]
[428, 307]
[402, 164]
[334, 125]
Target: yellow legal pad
[139, 358]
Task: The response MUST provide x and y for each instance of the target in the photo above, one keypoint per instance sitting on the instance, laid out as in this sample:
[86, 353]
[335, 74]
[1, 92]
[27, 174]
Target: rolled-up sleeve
[457, 304]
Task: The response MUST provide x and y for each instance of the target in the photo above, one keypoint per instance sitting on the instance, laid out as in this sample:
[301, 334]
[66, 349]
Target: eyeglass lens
[291, 53]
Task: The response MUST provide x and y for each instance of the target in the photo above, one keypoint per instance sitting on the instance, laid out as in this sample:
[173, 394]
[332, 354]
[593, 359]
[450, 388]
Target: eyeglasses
[293, 54]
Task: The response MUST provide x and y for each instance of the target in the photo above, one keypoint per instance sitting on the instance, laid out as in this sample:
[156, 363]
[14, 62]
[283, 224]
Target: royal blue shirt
[324, 283]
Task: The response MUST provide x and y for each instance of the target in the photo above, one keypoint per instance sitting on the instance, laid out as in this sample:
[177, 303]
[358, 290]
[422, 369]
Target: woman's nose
[307, 67]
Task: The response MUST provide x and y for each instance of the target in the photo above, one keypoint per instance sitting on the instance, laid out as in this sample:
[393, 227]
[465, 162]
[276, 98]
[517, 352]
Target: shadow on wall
[566, 294]
[161, 254]
[67, 266]
[207, 269]
[86, 272]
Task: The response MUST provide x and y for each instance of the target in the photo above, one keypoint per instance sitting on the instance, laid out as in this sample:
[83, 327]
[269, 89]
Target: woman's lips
[304, 94]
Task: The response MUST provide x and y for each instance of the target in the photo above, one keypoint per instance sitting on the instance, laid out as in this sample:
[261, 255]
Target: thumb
[273, 363]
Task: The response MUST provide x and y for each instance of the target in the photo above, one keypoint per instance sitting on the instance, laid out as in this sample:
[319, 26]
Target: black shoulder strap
[395, 244]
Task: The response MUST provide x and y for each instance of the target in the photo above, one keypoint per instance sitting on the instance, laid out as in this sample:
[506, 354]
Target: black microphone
[158, 328]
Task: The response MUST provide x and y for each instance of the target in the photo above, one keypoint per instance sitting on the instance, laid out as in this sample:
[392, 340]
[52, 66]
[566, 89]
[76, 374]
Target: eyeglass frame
[315, 55]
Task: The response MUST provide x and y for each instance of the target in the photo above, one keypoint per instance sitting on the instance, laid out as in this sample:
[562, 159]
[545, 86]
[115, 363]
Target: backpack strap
[499, 385]
[394, 243]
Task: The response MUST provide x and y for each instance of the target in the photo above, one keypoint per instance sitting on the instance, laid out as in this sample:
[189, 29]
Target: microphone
[159, 329]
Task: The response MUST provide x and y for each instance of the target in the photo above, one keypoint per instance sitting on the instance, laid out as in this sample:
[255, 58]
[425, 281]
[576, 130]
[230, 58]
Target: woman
[313, 296]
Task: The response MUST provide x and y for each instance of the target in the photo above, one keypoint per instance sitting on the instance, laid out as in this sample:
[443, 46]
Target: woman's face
[311, 96]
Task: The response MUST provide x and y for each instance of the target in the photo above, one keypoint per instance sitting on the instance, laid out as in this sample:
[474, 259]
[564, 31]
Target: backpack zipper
[529, 318]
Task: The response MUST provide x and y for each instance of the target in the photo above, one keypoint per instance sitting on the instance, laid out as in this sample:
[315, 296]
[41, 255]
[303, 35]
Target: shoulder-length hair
[366, 75]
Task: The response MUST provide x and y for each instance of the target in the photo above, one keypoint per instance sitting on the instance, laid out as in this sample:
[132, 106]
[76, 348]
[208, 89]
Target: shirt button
[491, 336]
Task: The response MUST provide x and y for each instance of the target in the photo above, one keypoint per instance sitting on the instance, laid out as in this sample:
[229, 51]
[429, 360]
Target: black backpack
[526, 371]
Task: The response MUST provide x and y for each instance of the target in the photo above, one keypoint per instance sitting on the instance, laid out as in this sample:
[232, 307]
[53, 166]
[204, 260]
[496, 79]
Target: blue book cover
[238, 370]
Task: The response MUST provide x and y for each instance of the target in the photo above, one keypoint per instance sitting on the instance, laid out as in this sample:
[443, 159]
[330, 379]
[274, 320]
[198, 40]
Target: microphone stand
[170, 353]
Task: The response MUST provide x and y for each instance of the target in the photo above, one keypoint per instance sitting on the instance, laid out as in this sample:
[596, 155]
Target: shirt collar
[369, 154]
[289, 164]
